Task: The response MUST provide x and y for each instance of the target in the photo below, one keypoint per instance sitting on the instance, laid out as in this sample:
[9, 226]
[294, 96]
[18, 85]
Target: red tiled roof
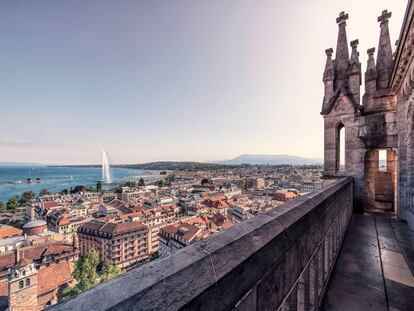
[227, 224]
[50, 278]
[6, 232]
[35, 252]
[197, 221]
[114, 228]
[64, 221]
[50, 204]
[188, 234]
[128, 215]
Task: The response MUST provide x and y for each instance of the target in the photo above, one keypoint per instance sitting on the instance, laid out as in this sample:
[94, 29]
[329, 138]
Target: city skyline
[178, 81]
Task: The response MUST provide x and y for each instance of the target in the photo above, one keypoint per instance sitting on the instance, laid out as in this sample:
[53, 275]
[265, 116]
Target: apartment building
[122, 244]
[175, 237]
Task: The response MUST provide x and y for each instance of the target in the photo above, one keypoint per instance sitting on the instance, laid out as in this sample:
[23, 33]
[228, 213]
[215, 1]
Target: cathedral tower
[23, 286]
[356, 131]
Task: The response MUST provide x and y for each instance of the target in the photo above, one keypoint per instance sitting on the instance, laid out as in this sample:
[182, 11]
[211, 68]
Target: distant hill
[177, 165]
[187, 165]
[21, 164]
[272, 159]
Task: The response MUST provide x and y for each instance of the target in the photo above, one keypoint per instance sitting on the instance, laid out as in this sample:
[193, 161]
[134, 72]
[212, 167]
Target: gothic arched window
[382, 160]
[340, 148]
[21, 284]
[27, 282]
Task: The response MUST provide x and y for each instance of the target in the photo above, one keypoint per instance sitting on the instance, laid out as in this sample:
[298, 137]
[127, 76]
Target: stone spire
[328, 76]
[354, 64]
[342, 53]
[371, 75]
[329, 73]
[384, 56]
[355, 72]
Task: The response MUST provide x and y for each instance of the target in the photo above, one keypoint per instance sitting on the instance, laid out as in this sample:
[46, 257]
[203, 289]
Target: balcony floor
[375, 267]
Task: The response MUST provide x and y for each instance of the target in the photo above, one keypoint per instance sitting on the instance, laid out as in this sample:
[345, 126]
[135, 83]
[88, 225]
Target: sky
[170, 80]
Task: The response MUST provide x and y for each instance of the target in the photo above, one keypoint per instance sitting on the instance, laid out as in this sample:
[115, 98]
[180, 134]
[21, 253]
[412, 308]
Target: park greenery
[12, 203]
[133, 184]
[110, 271]
[17, 201]
[86, 274]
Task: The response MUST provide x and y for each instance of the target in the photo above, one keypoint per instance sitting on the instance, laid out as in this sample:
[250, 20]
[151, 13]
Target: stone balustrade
[280, 260]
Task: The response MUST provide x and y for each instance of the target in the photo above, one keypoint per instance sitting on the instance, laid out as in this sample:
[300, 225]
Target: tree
[99, 186]
[85, 270]
[2, 206]
[64, 192]
[110, 271]
[44, 192]
[141, 182]
[12, 203]
[130, 184]
[26, 197]
[163, 182]
[71, 291]
[78, 188]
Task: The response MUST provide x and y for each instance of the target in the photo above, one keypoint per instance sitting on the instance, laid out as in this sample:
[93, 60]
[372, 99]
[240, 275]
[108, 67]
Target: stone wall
[281, 259]
[402, 84]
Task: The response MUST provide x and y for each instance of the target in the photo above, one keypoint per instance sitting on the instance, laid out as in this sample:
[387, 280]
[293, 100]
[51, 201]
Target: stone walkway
[375, 266]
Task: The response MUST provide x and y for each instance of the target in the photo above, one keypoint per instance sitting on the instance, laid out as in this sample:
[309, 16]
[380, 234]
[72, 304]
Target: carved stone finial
[385, 16]
[342, 18]
[371, 51]
[354, 43]
[329, 52]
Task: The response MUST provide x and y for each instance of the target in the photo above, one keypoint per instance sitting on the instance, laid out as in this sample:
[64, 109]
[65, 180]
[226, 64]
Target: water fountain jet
[106, 169]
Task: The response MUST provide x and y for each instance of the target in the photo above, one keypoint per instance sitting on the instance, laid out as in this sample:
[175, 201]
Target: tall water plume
[106, 169]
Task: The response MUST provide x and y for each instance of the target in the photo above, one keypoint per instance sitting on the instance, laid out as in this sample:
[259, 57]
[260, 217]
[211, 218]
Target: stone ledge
[216, 273]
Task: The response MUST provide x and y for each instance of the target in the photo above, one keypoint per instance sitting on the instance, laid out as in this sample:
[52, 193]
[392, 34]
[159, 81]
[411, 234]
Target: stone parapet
[279, 259]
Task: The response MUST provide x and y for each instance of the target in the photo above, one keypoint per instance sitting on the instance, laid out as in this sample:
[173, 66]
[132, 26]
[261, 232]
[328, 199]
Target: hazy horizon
[165, 160]
[177, 81]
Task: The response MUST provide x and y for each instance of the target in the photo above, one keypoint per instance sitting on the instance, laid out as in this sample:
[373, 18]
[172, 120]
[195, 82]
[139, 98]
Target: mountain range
[252, 159]
[272, 159]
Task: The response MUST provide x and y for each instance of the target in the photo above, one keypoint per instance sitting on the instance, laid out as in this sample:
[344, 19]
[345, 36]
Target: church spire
[384, 56]
[354, 64]
[355, 72]
[371, 74]
[328, 76]
[342, 53]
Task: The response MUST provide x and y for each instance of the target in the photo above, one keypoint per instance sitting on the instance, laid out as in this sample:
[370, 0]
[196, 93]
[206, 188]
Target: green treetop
[26, 197]
[85, 271]
[12, 203]
[141, 182]
[110, 271]
[44, 192]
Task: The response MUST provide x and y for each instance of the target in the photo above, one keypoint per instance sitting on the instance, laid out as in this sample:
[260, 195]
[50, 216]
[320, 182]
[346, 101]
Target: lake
[57, 178]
